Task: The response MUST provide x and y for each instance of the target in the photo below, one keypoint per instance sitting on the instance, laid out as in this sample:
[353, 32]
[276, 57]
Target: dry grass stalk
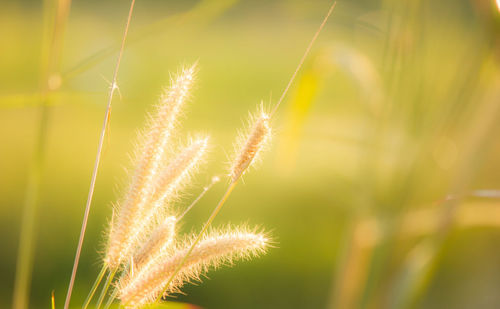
[107, 116]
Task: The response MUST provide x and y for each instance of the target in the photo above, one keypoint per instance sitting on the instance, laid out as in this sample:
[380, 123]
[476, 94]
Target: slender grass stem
[105, 288]
[49, 69]
[301, 62]
[95, 286]
[198, 238]
[97, 160]
[200, 196]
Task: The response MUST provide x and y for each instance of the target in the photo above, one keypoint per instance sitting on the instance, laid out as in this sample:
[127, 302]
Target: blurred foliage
[371, 188]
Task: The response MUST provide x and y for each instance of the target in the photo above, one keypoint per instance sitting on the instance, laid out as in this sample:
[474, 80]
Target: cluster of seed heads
[143, 240]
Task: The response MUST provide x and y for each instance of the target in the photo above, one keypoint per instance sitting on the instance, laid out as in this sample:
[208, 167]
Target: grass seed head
[251, 144]
[215, 249]
[151, 159]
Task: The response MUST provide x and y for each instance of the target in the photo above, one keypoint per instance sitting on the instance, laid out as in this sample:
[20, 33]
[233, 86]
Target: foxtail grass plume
[150, 178]
[250, 145]
[216, 248]
[173, 177]
[144, 230]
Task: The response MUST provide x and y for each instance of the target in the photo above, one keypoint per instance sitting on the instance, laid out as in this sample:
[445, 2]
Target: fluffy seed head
[214, 249]
[251, 145]
[151, 159]
[176, 174]
[157, 136]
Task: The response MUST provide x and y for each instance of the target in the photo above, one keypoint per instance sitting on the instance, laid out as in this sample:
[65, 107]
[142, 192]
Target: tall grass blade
[98, 157]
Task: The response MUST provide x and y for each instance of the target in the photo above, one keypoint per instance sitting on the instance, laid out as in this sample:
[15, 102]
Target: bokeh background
[380, 188]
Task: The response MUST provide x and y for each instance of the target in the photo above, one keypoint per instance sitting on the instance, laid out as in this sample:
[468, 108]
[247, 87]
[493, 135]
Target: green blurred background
[381, 184]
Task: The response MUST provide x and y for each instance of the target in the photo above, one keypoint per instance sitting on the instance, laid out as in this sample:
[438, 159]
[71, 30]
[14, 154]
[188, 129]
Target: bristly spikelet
[215, 249]
[159, 242]
[173, 177]
[251, 144]
[151, 159]
[178, 172]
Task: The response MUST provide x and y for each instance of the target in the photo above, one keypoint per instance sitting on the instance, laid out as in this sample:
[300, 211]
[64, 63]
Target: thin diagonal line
[97, 160]
[304, 58]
